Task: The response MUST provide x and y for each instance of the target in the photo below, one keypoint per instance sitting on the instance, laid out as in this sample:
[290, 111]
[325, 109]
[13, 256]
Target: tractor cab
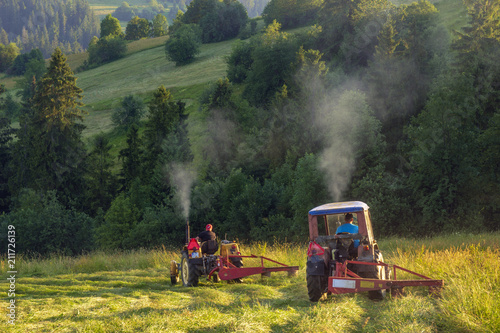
[327, 247]
[341, 262]
[326, 219]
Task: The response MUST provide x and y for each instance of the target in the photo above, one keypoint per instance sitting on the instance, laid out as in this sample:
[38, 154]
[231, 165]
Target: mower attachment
[345, 281]
[228, 271]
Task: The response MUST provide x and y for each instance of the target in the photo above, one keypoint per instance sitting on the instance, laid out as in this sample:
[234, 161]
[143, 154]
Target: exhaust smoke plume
[339, 116]
[182, 176]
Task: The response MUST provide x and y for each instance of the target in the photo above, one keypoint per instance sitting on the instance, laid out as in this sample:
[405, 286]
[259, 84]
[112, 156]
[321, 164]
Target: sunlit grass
[452, 13]
[115, 3]
[8, 81]
[130, 291]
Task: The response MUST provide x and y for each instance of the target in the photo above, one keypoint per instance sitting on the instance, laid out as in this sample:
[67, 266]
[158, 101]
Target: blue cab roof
[339, 208]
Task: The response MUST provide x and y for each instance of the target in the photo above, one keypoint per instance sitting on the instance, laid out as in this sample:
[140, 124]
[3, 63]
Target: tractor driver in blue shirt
[349, 227]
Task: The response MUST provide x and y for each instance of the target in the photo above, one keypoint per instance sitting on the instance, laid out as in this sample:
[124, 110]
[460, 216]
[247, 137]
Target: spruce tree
[101, 183]
[6, 136]
[50, 151]
[163, 117]
[131, 157]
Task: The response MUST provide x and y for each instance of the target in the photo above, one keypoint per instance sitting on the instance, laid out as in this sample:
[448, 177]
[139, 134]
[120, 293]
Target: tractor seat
[209, 246]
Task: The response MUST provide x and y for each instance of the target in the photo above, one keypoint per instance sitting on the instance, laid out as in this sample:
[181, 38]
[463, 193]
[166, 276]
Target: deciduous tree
[110, 26]
[184, 45]
[160, 26]
[8, 54]
[137, 28]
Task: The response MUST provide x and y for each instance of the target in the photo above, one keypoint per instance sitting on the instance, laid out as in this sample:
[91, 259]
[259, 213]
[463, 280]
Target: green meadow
[131, 292]
[145, 68]
[141, 72]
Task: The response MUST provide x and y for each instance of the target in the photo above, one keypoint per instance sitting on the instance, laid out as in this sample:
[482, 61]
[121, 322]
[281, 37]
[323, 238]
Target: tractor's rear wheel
[316, 286]
[379, 274]
[189, 272]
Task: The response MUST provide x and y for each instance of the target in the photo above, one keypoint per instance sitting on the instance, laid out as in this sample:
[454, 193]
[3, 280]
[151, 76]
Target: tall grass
[130, 291]
[96, 261]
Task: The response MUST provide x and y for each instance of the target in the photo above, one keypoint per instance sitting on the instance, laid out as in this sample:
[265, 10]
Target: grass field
[104, 7]
[453, 13]
[140, 73]
[131, 292]
[117, 3]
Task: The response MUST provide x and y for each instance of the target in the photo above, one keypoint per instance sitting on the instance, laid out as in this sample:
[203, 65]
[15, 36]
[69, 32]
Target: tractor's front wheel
[189, 272]
[316, 286]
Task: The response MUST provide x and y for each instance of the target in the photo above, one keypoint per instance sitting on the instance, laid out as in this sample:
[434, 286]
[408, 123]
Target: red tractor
[202, 260]
[350, 262]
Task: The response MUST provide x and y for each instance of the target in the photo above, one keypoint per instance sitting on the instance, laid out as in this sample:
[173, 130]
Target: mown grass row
[130, 291]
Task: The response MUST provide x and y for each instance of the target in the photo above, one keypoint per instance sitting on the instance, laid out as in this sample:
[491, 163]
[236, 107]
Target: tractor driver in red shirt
[208, 240]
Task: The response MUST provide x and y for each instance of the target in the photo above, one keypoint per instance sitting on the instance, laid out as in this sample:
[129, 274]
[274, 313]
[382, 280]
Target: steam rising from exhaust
[182, 176]
[338, 116]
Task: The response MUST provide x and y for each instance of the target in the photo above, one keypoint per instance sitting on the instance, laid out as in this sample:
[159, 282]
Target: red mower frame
[228, 271]
[346, 281]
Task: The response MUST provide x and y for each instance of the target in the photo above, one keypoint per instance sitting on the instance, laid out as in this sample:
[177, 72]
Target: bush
[159, 226]
[125, 12]
[224, 22]
[120, 219]
[106, 49]
[184, 45]
[239, 61]
[43, 225]
[291, 13]
[20, 63]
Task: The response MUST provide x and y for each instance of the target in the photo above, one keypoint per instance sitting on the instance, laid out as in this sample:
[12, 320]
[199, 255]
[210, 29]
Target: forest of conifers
[365, 100]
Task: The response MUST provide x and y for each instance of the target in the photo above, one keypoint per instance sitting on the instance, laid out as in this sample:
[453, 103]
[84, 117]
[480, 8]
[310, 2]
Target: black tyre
[316, 287]
[174, 279]
[379, 274]
[189, 272]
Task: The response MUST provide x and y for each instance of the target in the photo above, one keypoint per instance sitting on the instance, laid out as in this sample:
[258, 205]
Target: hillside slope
[141, 73]
[146, 67]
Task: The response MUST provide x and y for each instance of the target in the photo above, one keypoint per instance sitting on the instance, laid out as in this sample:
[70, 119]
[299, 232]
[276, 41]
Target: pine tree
[478, 47]
[484, 26]
[57, 99]
[50, 152]
[386, 40]
[4, 37]
[101, 182]
[6, 136]
[163, 118]
[131, 158]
